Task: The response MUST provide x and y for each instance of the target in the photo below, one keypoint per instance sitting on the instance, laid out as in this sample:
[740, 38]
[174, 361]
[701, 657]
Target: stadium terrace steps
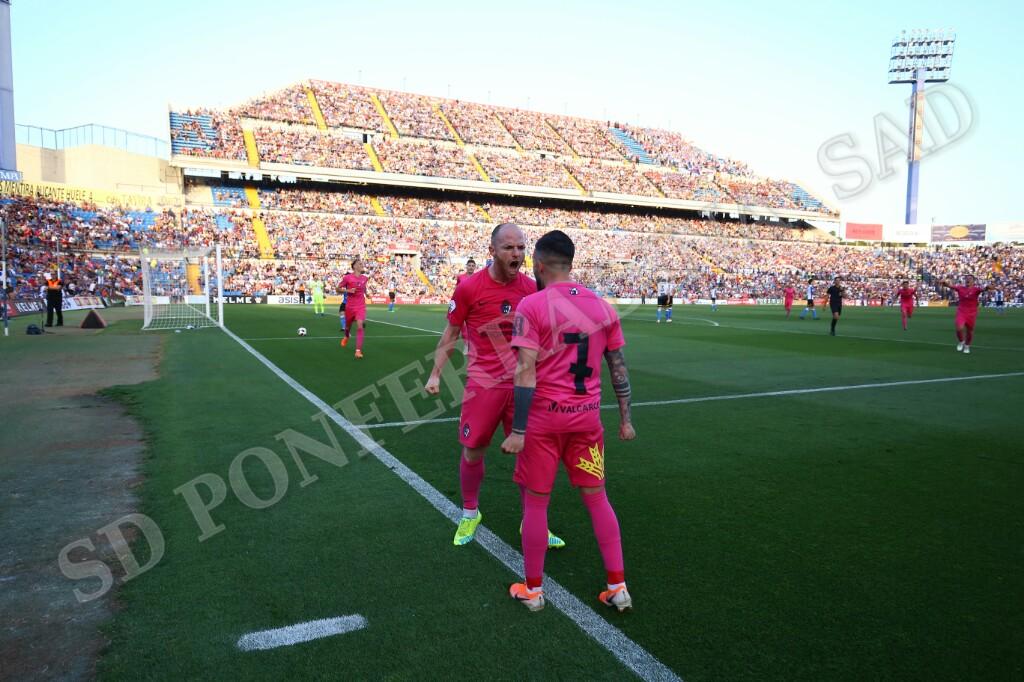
[579, 185]
[377, 207]
[318, 114]
[253, 196]
[374, 159]
[262, 238]
[661, 192]
[631, 144]
[519, 147]
[479, 168]
[448, 124]
[251, 151]
[568, 146]
[802, 196]
[384, 115]
[426, 280]
[192, 275]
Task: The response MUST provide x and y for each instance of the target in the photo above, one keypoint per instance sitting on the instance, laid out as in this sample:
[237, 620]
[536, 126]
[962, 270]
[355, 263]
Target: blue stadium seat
[634, 147]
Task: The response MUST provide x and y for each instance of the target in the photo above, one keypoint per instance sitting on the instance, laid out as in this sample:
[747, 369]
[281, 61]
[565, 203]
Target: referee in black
[835, 302]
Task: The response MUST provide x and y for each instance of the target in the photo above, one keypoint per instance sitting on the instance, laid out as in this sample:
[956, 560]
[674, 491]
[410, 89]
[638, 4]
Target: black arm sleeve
[523, 399]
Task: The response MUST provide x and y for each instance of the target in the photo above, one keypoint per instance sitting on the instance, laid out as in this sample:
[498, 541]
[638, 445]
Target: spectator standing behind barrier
[54, 300]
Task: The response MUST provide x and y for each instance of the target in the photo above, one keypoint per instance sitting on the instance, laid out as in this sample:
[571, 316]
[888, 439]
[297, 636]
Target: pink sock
[535, 538]
[606, 530]
[359, 339]
[959, 336]
[471, 475]
[904, 316]
[970, 335]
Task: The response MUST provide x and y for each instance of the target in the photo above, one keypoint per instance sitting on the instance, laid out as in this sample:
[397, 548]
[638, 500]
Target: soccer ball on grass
[302, 331]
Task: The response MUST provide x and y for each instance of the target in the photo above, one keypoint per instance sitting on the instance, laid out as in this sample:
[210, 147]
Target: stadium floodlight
[919, 57]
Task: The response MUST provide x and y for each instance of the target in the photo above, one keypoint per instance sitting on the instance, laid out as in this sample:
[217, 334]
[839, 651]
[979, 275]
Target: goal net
[176, 289]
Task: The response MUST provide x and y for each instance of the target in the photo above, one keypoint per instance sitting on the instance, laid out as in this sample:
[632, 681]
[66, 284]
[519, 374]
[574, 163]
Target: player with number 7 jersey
[561, 334]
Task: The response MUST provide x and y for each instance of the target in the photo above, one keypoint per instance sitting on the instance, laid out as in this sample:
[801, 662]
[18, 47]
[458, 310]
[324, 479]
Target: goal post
[176, 288]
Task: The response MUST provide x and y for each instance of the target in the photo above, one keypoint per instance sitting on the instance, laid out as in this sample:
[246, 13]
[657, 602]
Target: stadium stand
[622, 253]
[284, 124]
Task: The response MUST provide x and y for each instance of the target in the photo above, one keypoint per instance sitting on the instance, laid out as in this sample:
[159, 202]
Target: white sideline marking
[303, 632]
[629, 653]
[405, 326]
[299, 338]
[739, 396]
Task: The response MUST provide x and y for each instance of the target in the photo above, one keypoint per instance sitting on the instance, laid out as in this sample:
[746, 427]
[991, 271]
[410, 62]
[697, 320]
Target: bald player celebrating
[485, 304]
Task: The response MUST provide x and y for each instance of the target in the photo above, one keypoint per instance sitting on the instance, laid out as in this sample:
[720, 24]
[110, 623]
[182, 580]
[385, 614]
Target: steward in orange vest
[54, 300]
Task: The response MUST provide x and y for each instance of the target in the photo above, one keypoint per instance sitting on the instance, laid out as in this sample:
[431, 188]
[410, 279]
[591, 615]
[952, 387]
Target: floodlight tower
[8, 164]
[919, 57]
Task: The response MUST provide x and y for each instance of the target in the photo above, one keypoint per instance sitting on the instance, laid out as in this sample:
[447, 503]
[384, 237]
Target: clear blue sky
[767, 83]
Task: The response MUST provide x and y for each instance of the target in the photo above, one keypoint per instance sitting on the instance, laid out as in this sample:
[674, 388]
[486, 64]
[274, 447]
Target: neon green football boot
[467, 529]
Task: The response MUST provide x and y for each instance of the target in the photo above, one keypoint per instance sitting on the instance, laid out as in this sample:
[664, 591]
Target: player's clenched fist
[626, 431]
[433, 386]
[513, 444]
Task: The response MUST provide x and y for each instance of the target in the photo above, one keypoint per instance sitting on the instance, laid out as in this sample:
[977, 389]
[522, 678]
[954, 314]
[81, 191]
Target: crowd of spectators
[433, 159]
[617, 178]
[672, 149]
[687, 186]
[218, 134]
[587, 138]
[532, 131]
[621, 254]
[414, 116]
[477, 124]
[433, 209]
[306, 147]
[524, 169]
[290, 105]
[345, 202]
[347, 106]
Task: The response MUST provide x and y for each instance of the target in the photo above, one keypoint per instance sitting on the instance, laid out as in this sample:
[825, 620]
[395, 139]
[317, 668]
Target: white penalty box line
[628, 652]
[743, 396]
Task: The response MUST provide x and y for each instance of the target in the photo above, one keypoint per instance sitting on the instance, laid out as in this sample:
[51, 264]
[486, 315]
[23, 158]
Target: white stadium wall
[99, 167]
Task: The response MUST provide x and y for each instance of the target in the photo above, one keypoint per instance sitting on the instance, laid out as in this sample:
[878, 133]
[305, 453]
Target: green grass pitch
[861, 533]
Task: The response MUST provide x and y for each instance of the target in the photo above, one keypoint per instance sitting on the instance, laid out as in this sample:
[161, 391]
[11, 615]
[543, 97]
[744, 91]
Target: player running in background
[835, 303]
[788, 294]
[354, 284]
[664, 301]
[908, 298]
[316, 288]
[966, 310]
[714, 298]
[810, 301]
[561, 333]
[392, 293]
[484, 305]
[999, 302]
[470, 269]
[341, 310]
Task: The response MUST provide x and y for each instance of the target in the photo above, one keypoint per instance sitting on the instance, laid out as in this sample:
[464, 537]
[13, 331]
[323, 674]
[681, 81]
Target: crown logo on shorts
[595, 465]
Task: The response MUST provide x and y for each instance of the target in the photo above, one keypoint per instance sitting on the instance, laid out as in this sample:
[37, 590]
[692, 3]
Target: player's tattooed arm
[620, 382]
